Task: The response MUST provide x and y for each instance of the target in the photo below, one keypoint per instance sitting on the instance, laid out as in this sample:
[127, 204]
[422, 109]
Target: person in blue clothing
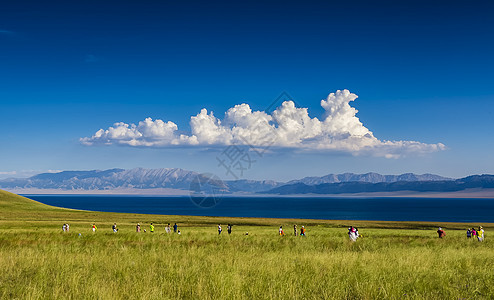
[175, 228]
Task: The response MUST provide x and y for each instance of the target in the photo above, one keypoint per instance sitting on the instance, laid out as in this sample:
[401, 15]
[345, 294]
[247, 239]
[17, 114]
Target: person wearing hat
[480, 234]
[138, 227]
[441, 233]
[352, 234]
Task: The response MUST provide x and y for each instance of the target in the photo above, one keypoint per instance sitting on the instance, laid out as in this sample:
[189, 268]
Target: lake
[383, 209]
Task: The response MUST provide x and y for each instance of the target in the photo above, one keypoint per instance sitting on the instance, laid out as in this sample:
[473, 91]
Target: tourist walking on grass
[219, 229]
[469, 233]
[67, 227]
[281, 232]
[480, 234]
[114, 227]
[295, 229]
[474, 232]
[229, 228]
[175, 227]
[441, 233]
[302, 231]
[64, 228]
[138, 228]
[168, 229]
[94, 228]
[151, 228]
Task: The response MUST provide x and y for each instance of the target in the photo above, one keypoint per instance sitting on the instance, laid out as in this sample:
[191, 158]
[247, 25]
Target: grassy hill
[392, 261]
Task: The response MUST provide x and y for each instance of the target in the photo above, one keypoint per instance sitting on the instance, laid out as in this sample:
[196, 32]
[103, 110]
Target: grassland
[394, 260]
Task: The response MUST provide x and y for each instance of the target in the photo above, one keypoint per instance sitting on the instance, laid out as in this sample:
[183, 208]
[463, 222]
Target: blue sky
[423, 72]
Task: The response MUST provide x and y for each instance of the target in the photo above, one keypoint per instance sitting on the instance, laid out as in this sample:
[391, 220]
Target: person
[281, 231]
[474, 233]
[138, 227]
[302, 231]
[441, 233]
[94, 227]
[480, 234]
[168, 229]
[229, 228]
[469, 233]
[175, 227]
[356, 232]
[151, 228]
[64, 228]
[219, 229]
[295, 229]
[67, 227]
[114, 227]
[352, 234]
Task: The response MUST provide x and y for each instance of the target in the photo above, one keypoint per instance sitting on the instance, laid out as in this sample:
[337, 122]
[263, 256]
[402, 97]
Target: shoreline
[161, 192]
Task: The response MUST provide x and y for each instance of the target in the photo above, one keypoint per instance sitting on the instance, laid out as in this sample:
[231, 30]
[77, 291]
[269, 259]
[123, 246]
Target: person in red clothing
[441, 233]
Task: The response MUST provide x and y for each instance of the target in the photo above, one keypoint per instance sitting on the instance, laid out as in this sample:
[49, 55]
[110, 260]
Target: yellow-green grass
[392, 261]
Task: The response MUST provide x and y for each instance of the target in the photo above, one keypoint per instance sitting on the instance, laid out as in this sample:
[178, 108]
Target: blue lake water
[384, 209]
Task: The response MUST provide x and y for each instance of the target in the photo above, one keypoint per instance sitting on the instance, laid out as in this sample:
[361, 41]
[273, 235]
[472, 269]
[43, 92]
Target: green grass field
[394, 260]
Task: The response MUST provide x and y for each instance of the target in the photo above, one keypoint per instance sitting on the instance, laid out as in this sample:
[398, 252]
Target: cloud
[24, 173]
[286, 127]
[8, 173]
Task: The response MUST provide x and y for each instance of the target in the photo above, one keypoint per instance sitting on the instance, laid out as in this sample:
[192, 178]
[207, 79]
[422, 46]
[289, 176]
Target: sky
[256, 90]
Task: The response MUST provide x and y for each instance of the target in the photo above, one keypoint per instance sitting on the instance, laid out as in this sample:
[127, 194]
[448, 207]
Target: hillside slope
[10, 202]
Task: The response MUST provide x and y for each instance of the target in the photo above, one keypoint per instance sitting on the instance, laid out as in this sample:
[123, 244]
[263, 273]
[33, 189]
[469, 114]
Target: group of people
[471, 232]
[228, 229]
[353, 233]
[295, 232]
[168, 228]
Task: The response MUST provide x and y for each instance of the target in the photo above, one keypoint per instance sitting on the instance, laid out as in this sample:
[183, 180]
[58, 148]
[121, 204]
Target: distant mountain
[180, 179]
[476, 181]
[138, 178]
[368, 177]
[105, 180]
[252, 186]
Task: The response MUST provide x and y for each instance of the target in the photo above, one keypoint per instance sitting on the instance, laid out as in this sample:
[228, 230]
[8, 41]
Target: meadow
[393, 260]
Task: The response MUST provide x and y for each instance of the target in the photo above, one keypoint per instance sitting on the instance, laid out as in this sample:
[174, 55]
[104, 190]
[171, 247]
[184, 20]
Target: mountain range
[470, 182]
[140, 179]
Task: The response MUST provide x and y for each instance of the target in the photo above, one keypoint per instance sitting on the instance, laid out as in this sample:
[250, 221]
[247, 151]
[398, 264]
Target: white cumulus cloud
[287, 127]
